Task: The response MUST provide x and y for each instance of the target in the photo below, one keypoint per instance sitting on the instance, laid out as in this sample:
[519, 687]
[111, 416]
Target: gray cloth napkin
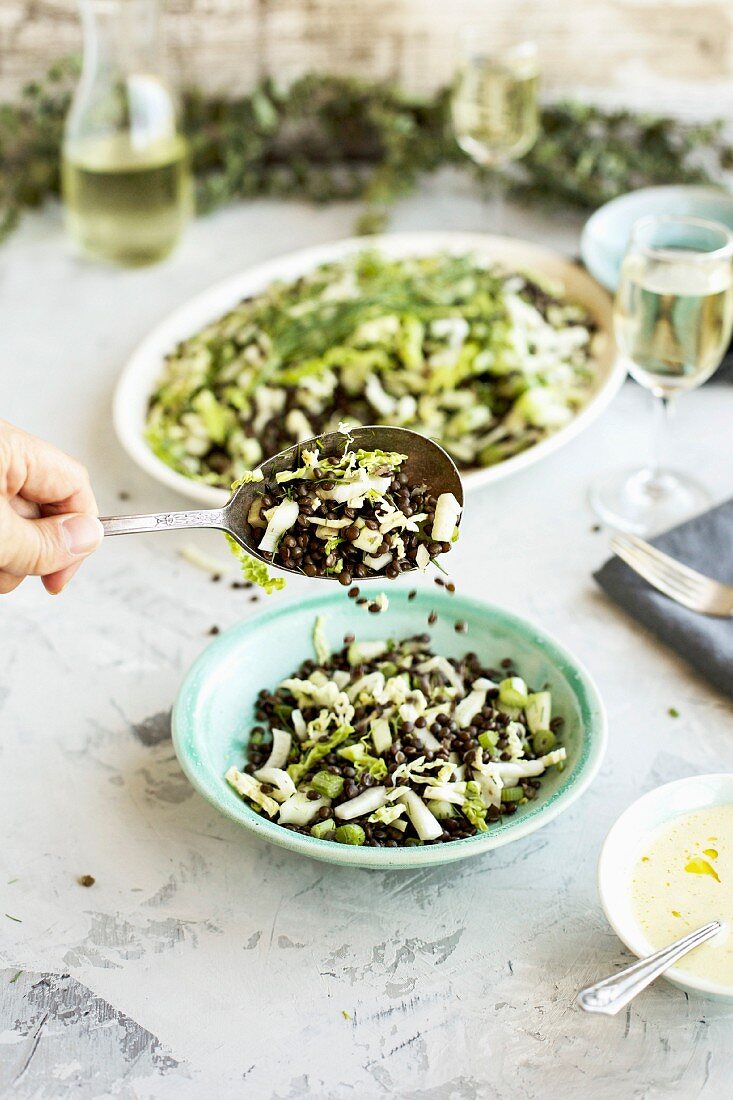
[705, 543]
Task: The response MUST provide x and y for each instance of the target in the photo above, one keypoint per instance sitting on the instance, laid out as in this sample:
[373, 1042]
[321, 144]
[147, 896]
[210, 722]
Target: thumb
[41, 546]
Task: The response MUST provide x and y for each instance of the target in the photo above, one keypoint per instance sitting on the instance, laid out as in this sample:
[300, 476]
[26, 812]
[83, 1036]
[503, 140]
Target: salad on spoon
[361, 503]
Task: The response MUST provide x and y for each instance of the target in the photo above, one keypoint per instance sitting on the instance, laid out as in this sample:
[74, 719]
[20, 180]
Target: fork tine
[665, 567]
[648, 571]
[638, 561]
[652, 573]
[659, 555]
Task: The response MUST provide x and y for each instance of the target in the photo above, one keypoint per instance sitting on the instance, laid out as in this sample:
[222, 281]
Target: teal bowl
[607, 232]
[213, 713]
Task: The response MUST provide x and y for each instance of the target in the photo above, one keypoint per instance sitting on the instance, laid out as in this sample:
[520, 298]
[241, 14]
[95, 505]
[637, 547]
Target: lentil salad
[386, 744]
[351, 515]
[485, 362]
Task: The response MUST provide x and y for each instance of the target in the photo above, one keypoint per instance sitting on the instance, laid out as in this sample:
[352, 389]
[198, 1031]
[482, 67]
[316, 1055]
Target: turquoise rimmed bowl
[213, 713]
[607, 232]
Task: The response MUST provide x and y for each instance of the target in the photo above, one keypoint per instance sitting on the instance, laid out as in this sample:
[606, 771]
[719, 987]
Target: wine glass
[494, 106]
[673, 316]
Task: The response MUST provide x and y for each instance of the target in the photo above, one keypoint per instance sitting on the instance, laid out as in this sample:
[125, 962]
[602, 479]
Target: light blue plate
[213, 713]
[608, 231]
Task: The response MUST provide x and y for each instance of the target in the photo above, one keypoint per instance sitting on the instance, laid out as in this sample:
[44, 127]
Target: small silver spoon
[426, 464]
[610, 995]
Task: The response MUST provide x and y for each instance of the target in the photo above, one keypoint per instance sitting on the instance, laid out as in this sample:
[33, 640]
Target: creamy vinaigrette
[682, 879]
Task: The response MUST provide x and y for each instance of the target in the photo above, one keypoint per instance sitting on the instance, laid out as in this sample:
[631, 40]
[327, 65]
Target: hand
[48, 514]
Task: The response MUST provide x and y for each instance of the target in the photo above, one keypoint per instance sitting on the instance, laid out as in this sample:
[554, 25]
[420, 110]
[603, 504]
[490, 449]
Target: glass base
[645, 502]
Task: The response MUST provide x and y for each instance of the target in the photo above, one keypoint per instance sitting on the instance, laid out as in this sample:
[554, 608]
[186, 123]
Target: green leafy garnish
[254, 570]
[363, 760]
[371, 765]
[474, 807]
[317, 752]
[320, 641]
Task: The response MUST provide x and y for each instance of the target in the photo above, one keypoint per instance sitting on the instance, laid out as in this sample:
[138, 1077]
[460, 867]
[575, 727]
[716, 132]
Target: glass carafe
[125, 166]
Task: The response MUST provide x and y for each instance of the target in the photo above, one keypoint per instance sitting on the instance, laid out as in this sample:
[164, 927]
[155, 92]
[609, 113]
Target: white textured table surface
[205, 963]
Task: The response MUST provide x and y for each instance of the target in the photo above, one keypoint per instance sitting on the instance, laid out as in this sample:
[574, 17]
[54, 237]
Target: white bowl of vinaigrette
[666, 868]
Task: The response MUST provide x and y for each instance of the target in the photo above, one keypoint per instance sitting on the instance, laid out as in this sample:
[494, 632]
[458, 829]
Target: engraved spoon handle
[165, 521]
[612, 994]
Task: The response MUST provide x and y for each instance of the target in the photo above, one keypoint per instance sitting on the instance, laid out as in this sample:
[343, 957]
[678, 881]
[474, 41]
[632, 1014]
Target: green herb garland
[325, 138]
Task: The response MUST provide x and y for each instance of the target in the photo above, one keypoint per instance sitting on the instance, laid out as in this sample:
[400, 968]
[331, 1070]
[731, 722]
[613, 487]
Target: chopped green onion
[538, 711]
[327, 784]
[441, 809]
[513, 692]
[543, 741]
[350, 834]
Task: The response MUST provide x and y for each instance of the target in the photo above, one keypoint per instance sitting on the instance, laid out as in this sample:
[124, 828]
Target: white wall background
[667, 55]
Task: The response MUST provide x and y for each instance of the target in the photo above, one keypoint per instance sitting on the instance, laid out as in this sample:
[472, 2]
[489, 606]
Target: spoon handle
[164, 521]
[612, 994]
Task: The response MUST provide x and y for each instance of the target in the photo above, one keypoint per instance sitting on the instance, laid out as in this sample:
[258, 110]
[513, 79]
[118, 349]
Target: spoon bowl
[426, 464]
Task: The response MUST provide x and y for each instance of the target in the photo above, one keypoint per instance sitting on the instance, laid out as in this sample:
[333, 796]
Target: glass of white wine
[125, 171]
[494, 106]
[673, 316]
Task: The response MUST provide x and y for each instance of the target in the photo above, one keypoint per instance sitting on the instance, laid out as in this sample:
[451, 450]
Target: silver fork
[679, 582]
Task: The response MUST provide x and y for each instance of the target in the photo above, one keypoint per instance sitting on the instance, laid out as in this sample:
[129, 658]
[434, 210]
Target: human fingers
[37, 471]
[46, 545]
[8, 583]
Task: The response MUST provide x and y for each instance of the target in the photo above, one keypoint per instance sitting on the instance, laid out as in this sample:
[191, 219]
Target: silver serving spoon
[427, 463]
[610, 995]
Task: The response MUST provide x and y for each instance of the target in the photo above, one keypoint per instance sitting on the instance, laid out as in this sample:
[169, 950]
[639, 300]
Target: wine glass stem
[493, 199]
[662, 413]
